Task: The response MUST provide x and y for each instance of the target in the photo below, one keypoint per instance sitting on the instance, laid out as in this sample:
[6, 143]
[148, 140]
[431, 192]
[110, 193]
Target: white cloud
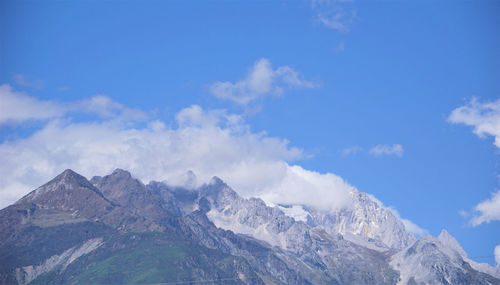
[497, 255]
[484, 117]
[395, 149]
[300, 186]
[18, 107]
[409, 225]
[335, 14]
[207, 142]
[104, 106]
[487, 211]
[413, 228]
[261, 80]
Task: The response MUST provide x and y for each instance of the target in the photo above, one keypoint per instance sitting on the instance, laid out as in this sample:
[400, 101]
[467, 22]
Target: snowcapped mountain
[121, 230]
[367, 222]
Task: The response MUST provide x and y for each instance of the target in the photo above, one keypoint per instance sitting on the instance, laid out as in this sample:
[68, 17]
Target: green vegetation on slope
[142, 258]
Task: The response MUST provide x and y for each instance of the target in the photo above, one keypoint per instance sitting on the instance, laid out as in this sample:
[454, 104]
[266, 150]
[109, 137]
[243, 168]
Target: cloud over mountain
[207, 142]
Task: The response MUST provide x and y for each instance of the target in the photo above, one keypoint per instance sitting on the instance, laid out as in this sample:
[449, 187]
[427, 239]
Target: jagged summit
[68, 180]
[118, 186]
[122, 173]
[118, 173]
[446, 239]
[68, 172]
[216, 181]
[68, 176]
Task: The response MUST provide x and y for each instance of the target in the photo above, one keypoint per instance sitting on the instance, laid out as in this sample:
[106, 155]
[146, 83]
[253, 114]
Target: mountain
[115, 229]
[438, 260]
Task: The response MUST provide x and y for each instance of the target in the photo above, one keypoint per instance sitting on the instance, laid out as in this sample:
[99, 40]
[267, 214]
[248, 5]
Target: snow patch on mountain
[295, 211]
[232, 223]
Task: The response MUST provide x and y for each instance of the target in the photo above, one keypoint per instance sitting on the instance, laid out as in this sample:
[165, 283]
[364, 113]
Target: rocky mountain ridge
[156, 233]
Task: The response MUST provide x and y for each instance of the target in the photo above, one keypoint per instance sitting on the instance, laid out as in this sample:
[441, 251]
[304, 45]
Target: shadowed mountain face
[115, 230]
[121, 189]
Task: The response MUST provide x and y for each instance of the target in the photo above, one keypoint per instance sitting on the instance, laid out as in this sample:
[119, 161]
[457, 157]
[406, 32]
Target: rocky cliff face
[115, 229]
[367, 219]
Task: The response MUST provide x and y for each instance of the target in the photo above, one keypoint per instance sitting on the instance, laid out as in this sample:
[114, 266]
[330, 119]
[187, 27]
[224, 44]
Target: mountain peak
[122, 173]
[68, 180]
[68, 175]
[448, 240]
[444, 234]
[68, 172]
[215, 181]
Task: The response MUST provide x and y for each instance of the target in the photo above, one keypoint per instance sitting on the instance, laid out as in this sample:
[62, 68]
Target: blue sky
[345, 76]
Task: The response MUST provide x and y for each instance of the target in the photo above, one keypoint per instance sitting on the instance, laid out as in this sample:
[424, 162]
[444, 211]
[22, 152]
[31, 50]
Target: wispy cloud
[351, 150]
[335, 14]
[339, 48]
[485, 120]
[487, 211]
[18, 107]
[261, 80]
[395, 149]
[104, 106]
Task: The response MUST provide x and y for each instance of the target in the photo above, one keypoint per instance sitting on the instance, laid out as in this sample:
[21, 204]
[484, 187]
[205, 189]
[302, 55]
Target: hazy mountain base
[117, 230]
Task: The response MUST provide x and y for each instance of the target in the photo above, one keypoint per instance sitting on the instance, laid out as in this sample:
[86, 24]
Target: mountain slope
[152, 258]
